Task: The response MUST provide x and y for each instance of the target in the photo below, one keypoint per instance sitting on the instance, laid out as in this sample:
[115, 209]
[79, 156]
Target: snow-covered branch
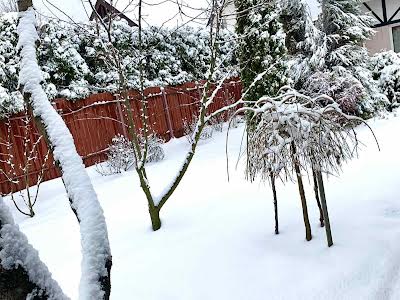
[22, 273]
[96, 254]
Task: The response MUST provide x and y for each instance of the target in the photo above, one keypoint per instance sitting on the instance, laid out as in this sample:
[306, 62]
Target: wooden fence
[94, 121]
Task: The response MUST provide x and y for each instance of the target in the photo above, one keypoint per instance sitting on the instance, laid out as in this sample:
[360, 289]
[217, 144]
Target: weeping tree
[296, 133]
[22, 274]
[261, 46]
[96, 254]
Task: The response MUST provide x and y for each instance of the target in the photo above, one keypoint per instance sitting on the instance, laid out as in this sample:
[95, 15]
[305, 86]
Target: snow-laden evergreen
[10, 98]
[261, 45]
[346, 28]
[16, 254]
[330, 57]
[96, 253]
[385, 68]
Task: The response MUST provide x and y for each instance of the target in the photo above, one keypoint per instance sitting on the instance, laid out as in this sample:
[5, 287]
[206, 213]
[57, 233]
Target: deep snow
[217, 239]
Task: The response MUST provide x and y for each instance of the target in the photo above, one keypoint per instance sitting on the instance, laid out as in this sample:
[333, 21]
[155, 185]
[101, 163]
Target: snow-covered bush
[189, 128]
[120, 157]
[343, 88]
[385, 67]
[10, 98]
[155, 151]
[327, 56]
[121, 154]
[10, 102]
[217, 125]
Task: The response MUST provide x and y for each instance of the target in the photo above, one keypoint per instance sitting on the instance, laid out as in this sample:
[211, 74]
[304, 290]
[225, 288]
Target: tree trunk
[23, 5]
[302, 194]
[275, 203]
[15, 285]
[155, 218]
[321, 214]
[324, 208]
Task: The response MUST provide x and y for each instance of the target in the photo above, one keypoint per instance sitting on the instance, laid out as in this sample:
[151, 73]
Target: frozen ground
[217, 239]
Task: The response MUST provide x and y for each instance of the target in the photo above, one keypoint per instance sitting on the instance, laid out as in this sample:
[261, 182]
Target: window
[396, 38]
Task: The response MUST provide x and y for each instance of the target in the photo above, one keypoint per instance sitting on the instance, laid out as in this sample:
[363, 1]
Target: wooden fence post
[167, 112]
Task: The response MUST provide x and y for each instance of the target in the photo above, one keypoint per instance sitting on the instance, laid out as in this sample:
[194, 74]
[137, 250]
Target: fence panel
[94, 121]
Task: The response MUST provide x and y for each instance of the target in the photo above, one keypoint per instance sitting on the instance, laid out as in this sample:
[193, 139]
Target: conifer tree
[303, 41]
[262, 46]
[346, 28]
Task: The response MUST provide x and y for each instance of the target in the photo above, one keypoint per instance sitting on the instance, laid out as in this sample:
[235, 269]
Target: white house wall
[383, 38]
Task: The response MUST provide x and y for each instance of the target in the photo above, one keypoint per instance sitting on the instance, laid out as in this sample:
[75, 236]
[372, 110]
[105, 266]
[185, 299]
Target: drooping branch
[313, 133]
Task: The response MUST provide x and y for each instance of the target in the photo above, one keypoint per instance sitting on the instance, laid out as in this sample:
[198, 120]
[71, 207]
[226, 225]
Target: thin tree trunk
[321, 214]
[155, 218]
[275, 203]
[324, 208]
[302, 195]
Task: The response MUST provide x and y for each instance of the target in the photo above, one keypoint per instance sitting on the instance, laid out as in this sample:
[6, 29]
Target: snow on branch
[96, 254]
[296, 128]
[20, 261]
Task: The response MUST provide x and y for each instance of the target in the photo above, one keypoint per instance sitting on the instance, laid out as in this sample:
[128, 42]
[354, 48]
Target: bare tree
[18, 172]
[96, 254]
[114, 58]
[156, 203]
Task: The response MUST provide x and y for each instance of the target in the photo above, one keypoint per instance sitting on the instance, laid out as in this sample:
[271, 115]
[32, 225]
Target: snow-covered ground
[217, 239]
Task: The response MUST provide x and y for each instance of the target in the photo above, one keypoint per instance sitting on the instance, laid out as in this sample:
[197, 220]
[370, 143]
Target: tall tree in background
[303, 41]
[346, 28]
[262, 45]
[343, 74]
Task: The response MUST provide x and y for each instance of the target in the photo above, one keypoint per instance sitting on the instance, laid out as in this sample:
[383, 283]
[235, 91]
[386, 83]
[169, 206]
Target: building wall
[383, 38]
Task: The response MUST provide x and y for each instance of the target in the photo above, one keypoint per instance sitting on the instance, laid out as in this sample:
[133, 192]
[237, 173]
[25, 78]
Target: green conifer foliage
[262, 45]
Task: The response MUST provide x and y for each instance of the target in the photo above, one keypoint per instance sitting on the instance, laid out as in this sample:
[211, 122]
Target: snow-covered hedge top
[16, 251]
[74, 64]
